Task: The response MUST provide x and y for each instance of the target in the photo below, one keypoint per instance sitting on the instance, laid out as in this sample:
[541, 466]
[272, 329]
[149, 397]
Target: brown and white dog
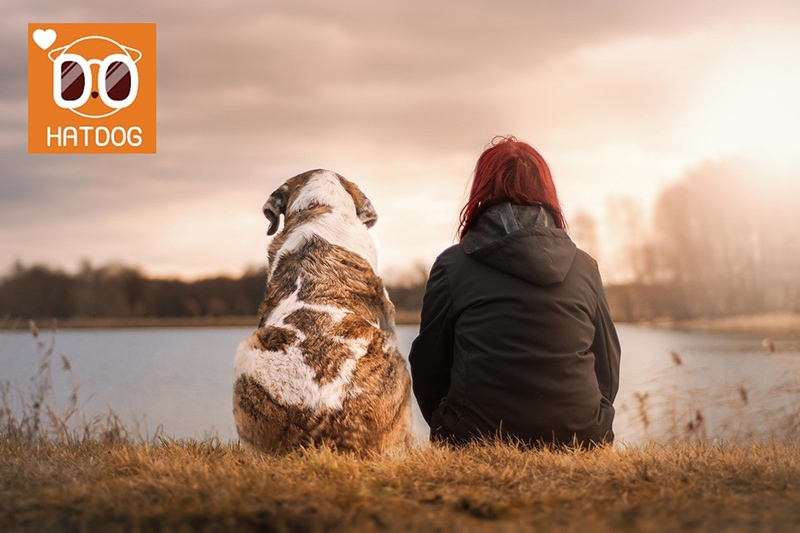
[323, 366]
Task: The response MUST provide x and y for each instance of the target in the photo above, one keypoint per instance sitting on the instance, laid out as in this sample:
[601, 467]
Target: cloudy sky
[621, 97]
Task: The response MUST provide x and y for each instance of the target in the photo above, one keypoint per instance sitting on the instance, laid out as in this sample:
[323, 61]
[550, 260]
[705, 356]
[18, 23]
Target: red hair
[510, 171]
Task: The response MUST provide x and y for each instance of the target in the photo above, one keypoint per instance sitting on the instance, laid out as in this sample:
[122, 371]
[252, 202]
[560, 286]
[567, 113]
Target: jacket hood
[521, 240]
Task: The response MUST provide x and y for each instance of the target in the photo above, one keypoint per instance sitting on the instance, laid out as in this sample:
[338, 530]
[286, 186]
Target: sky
[620, 97]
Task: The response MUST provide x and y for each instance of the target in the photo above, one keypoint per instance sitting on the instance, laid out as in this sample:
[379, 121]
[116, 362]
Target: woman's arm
[606, 349]
[431, 355]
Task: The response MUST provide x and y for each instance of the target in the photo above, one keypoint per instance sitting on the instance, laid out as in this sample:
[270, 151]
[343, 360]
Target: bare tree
[724, 239]
[583, 230]
[634, 254]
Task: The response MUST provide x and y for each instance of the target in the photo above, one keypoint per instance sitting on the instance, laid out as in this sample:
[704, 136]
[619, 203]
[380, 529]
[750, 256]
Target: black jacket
[516, 336]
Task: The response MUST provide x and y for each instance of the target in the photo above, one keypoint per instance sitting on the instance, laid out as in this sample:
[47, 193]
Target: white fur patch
[322, 188]
[285, 375]
[340, 227]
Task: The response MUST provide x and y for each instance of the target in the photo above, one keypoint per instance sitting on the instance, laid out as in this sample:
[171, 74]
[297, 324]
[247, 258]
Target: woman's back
[524, 312]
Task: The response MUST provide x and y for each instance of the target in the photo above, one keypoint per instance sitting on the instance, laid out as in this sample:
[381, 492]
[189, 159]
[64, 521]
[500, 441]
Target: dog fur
[323, 366]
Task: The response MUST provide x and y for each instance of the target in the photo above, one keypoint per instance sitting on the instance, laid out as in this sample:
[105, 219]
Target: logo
[91, 88]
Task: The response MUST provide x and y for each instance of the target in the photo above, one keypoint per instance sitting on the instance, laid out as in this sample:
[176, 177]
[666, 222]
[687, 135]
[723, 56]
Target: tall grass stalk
[29, 411]
[743, 413]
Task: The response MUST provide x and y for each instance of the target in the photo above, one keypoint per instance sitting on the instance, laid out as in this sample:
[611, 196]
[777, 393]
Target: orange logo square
[91, 88]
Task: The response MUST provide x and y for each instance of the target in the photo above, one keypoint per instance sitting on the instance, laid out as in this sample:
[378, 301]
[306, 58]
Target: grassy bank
[766, 324]
[211, 487]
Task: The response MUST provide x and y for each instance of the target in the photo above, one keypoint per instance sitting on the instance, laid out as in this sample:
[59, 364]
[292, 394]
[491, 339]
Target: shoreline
[403, 318]
[761, 324]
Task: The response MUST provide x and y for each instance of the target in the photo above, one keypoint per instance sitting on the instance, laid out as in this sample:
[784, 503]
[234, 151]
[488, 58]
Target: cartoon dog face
[323, 365]
[95, 76]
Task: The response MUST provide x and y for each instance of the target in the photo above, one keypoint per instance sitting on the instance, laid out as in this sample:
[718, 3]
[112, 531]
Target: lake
[673, 384]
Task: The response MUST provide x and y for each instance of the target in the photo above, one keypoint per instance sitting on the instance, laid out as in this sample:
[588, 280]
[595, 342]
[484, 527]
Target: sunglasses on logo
[117, 78]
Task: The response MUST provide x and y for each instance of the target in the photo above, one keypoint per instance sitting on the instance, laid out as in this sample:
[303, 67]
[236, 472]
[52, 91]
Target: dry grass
[170, 486]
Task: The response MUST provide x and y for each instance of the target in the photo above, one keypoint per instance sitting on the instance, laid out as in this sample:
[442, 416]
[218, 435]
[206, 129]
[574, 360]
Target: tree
[724, 240]
[583, 230]
[635, 258]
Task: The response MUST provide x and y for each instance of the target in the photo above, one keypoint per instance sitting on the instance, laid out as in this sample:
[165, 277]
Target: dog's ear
[275, 206]
[364, 208]
[366, 213]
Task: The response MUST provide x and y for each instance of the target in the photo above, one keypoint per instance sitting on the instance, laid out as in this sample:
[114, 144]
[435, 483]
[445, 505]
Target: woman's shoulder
[584, 258]
[449, 261]
[448, 256]
[590, 270]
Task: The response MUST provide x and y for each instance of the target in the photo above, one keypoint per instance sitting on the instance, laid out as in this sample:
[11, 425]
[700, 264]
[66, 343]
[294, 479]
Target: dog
[323, 367]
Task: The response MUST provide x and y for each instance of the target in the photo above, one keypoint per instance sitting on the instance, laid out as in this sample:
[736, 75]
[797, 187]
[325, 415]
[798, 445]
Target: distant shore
[403, 318]
[763, 324]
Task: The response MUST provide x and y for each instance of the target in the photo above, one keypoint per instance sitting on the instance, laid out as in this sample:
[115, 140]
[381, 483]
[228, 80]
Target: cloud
[400, 97]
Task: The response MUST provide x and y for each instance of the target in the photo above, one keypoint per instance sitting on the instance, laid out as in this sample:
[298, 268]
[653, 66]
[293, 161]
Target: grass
[94, 486]
[61, 472]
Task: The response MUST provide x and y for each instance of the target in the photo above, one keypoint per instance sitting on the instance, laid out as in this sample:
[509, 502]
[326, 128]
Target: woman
[516, 339]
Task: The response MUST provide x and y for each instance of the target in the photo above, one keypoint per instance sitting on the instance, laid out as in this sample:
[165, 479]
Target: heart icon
[44, 38]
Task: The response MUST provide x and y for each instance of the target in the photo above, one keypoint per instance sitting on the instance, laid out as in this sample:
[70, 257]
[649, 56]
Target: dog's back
[323, 366]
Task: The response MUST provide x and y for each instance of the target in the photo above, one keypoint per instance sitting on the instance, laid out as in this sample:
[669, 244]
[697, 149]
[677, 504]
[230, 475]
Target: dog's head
[317, 188]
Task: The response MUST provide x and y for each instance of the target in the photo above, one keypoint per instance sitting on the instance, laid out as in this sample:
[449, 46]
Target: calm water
[726, 386]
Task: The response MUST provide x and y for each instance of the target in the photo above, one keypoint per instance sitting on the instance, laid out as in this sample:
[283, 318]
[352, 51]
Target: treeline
[722, 241]
[119, 291]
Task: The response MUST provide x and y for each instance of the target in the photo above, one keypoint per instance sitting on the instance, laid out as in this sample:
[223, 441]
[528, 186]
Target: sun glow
[750, 104]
